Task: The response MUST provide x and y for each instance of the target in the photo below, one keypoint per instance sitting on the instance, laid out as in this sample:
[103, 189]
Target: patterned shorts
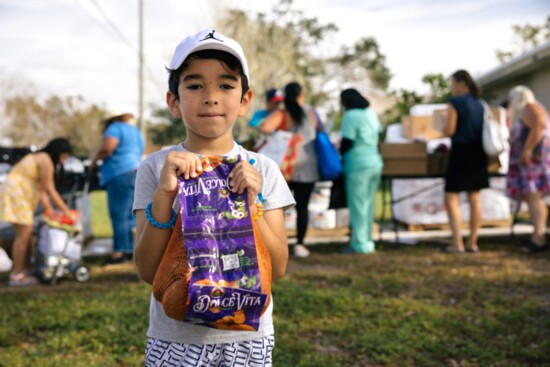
[251, 353]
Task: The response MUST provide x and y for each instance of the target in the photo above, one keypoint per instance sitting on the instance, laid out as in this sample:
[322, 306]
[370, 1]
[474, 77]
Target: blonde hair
[518, 98]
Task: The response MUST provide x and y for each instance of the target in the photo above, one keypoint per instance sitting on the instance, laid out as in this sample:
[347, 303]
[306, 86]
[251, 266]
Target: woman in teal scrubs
[361, 129]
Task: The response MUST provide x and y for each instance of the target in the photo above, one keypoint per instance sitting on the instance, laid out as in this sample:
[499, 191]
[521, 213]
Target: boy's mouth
[209, 115]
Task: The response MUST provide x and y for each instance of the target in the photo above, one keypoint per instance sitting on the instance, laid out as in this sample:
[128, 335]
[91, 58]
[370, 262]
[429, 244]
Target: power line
[113, 26]
[120, 37]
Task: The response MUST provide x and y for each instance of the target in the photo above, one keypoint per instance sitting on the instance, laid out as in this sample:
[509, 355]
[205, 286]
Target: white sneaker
[301, 251]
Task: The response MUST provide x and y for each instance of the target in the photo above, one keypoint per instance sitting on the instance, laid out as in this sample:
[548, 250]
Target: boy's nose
[209, 101]
[210, 98]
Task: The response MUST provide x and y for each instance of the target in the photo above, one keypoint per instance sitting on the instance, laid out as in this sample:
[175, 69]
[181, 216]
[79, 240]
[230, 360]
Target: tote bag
[282, 147]
[328, 158]
[495, 135]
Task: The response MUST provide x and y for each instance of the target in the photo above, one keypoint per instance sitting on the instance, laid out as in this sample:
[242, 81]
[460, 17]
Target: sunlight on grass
[401, 306]
[101, 224]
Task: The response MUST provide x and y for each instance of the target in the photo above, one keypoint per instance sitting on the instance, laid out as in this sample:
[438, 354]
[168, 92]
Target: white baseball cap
[208, 40]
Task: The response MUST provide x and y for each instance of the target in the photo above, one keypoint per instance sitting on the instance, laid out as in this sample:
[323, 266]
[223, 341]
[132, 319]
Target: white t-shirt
[276, 194]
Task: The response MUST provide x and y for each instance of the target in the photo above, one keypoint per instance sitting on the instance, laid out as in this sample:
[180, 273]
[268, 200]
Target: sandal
[21, 280]
[473, 249]
[451, 250]
[532, 248]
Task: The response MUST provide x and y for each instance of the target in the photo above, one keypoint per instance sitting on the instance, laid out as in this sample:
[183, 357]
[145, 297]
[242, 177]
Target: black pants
[302, 193]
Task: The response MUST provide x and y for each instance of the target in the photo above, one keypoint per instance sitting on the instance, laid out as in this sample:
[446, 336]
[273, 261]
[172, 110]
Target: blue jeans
[120, 199]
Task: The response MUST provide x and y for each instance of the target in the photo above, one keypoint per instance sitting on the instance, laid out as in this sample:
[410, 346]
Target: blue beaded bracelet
[168, 225]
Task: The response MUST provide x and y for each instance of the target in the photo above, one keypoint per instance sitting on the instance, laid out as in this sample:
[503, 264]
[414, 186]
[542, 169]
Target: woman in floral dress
[529, 171]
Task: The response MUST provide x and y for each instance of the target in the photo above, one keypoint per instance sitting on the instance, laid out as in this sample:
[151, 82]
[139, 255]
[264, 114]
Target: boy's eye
[227, 86]
[193, 86]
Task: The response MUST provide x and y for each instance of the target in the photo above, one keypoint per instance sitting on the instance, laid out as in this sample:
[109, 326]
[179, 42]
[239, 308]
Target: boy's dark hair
[351, 98]
[464, 76]
[56, 147]
[226, 58]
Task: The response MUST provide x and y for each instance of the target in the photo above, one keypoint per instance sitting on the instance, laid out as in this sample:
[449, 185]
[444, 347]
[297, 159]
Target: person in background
[121, 153]
[298, 118]
[467, 170]
[30, 181]
[528, 175]
[363, 165]
[273, 99]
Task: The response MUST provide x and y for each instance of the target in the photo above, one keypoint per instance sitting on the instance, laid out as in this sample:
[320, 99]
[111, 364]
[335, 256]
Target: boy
[208, 90]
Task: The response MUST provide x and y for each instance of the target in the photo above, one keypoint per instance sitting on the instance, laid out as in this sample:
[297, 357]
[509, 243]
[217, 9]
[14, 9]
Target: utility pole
[140, 76]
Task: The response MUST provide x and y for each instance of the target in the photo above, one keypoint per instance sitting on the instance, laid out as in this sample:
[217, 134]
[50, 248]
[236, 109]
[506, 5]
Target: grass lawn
[101, 224]
[401, 306]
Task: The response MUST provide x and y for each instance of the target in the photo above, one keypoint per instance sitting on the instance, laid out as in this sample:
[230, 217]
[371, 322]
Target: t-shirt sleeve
[146, 184]
[113, 131]
[275, 189]
[348, 127]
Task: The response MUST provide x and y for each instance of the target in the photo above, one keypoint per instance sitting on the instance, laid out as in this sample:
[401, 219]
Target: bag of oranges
[216, 270]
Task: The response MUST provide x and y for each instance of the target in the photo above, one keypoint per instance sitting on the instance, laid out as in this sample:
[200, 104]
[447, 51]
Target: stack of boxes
[412, 154]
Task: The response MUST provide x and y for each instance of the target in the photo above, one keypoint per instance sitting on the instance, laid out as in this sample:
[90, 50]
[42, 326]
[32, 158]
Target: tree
[169, 131]
[30, 121]
[439, 88]
[405, 100]
[439, 93]
[281, 49]
[364, 62]
[287, 46]
[527, 37]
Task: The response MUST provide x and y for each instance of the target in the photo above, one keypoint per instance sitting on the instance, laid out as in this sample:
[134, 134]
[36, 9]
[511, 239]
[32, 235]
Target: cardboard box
[439, 119]
[408, 159]
[420, 126]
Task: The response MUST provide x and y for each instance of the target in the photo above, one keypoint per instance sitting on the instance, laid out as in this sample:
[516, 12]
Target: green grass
[401, 306]
[101, 224]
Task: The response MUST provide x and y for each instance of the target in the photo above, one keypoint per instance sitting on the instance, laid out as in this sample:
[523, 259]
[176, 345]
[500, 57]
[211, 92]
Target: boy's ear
[173, 104]
[245, 102]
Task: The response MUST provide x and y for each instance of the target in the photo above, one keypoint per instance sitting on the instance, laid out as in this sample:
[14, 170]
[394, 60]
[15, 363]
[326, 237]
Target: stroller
[60, 239]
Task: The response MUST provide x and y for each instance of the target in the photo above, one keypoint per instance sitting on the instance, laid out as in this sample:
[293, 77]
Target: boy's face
[210, 99]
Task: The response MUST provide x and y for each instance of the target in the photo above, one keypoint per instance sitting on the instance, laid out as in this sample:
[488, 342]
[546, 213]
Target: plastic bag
[216, 270]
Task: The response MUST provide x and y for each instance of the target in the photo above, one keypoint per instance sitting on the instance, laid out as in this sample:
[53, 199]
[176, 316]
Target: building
[531, 69]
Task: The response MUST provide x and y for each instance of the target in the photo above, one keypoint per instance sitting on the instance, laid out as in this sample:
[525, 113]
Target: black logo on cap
[210, 36]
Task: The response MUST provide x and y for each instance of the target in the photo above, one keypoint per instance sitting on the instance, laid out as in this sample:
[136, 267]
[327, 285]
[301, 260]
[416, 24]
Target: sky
[90, 47]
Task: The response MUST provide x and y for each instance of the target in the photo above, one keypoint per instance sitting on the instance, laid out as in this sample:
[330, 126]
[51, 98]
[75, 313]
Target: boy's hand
[245, 177]
[178, 164]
